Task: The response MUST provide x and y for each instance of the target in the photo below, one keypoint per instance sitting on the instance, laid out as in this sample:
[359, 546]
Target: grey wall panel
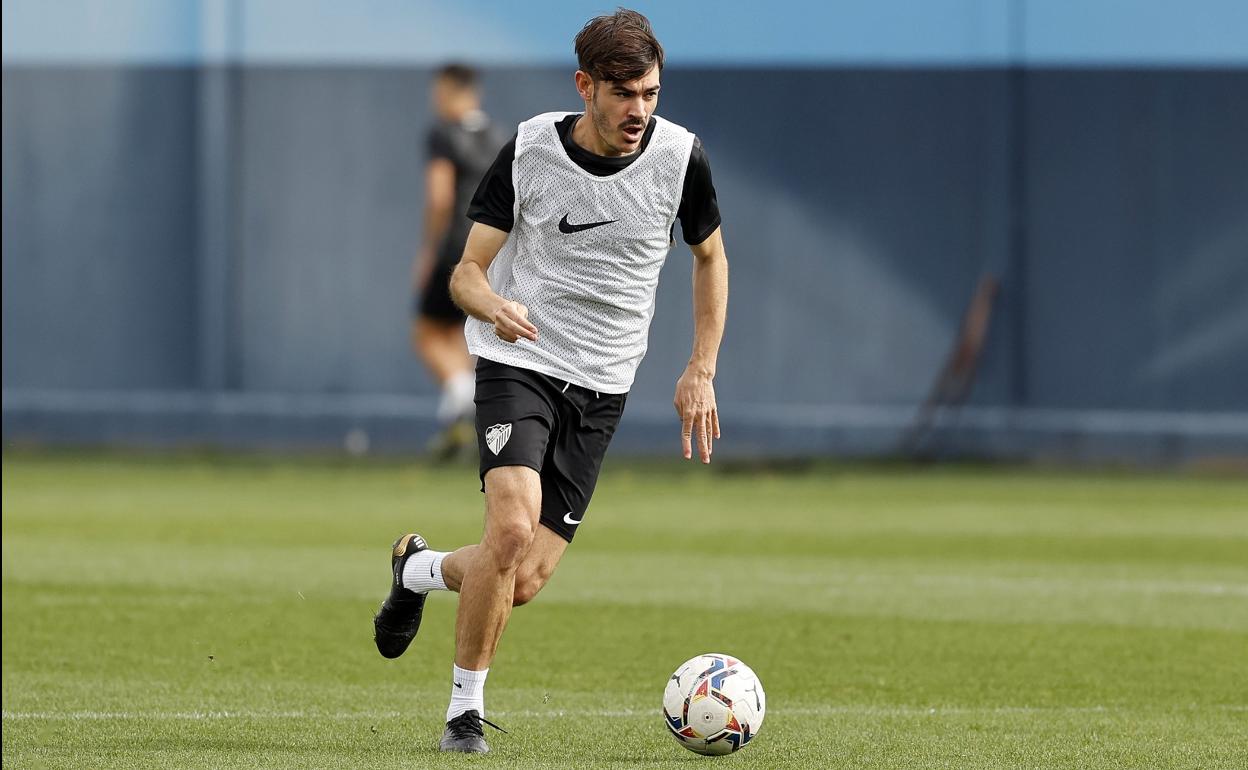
[99, 227]
[860, 208]
[1138, 239]
[330, 195]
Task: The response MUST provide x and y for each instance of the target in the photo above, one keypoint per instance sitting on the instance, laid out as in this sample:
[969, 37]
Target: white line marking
[1092, 584]
[883, 711]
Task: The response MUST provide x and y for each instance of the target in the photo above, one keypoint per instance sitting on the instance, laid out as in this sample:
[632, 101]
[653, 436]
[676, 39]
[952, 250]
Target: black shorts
[435, 301]
[557, 429]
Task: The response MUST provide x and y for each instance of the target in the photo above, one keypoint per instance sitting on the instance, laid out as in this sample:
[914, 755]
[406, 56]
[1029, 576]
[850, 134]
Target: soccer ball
[714, 704]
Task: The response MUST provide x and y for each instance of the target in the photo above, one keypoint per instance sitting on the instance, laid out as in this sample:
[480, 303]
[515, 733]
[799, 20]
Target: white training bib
[584, 256]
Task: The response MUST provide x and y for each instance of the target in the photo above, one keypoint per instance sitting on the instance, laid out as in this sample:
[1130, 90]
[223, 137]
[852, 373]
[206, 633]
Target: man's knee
[513, 502]
[507, 544]
[527, 587]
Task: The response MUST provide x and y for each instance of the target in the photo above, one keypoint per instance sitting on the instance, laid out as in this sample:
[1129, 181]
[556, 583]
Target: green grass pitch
[217, 614]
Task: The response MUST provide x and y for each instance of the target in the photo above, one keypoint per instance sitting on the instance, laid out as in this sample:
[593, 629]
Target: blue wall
[99, 228]
[1137, 240]
[208, 229]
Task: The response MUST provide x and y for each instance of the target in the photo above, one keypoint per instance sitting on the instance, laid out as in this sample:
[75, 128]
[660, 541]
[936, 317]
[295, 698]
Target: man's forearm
[471, 291]
[470, 288]
[710, 305]
[437, 223]
[436, 226]
[439, 204]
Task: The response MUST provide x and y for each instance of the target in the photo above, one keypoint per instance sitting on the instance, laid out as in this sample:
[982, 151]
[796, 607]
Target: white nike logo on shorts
[567, 518]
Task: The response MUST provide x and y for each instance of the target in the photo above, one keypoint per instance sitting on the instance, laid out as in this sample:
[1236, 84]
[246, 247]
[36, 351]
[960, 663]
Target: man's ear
[584, 85]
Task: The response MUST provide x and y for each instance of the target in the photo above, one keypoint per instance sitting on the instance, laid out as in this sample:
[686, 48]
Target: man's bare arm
[471, 289]
[695, 390]
[439, 205]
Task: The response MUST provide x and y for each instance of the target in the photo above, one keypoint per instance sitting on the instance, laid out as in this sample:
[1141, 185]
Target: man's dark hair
[459, 75]
[619, 47]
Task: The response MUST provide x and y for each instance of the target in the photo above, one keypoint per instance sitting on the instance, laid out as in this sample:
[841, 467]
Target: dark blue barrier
[261, 252]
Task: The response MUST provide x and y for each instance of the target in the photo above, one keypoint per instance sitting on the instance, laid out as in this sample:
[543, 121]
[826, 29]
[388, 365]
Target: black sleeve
[439, 144]
[494, 202]
[699, 209]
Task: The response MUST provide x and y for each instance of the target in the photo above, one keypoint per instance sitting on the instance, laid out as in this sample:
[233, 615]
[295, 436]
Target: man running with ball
[572, 224]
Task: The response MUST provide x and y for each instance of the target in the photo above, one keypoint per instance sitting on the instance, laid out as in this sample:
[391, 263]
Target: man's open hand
[699, 418]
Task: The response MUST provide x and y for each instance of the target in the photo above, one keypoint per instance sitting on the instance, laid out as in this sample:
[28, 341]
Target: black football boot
[398, 620]
[465, 734]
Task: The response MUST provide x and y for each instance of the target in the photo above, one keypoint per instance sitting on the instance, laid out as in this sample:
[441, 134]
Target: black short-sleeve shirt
[495, 198]
[470, 145]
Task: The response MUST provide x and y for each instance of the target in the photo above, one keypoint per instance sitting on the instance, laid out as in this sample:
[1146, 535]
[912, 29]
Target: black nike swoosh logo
[460, 686]
[566, 228]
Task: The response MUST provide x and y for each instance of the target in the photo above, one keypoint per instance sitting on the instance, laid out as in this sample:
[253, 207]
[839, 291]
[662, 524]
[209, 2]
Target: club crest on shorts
[496, 436]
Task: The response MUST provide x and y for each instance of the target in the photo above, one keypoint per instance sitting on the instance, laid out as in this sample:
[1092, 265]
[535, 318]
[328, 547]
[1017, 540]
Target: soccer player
[461, 146]
[571, 226]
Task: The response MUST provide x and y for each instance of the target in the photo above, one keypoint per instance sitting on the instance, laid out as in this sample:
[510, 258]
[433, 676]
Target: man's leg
[513, 504]
[527, 578]
[538, 565]
[440, 343]
[487, 577]
[534, 572]
[428, 570]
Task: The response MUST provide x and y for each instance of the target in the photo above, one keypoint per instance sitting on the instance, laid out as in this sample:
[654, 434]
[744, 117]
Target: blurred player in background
[572, 225]
[460, 149]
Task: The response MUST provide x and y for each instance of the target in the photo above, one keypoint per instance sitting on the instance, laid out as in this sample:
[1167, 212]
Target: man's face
[620, 110]
[444, 97]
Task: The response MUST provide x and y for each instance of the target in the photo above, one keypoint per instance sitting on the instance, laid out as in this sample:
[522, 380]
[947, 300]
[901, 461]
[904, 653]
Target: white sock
[464, 386]
[423, 572]
[457, 396]
[467, 692]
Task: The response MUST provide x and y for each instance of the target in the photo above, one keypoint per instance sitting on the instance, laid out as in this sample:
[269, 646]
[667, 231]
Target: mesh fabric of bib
[584, 256]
